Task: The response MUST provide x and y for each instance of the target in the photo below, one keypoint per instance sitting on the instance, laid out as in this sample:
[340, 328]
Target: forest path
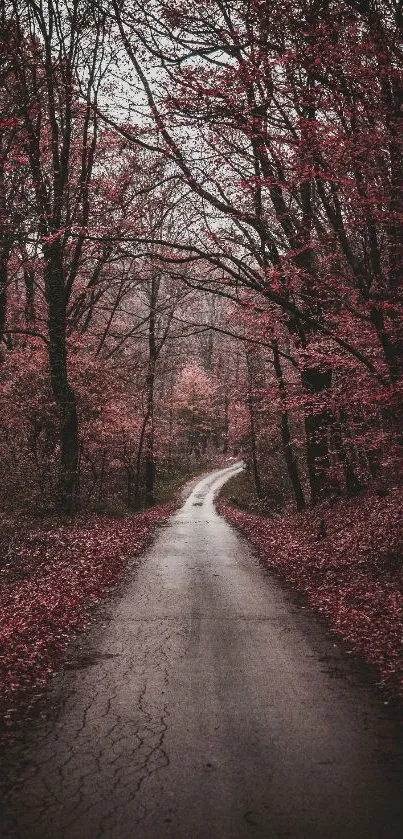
[210, 706]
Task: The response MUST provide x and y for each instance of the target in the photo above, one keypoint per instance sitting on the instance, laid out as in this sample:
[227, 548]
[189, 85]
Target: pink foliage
[194, 394]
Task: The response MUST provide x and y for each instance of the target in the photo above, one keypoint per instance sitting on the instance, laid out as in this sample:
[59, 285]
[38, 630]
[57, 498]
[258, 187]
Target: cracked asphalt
[208, 703]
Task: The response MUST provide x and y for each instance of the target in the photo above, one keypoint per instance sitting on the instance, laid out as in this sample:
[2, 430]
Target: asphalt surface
[209, 704]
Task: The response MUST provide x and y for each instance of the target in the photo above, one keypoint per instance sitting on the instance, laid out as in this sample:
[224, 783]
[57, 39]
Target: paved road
[210, 706]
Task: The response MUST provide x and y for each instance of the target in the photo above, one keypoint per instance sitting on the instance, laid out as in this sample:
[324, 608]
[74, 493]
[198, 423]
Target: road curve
[210, 705]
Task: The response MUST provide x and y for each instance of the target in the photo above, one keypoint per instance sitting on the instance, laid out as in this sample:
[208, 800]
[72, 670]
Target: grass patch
[168, 484]
[240, 492]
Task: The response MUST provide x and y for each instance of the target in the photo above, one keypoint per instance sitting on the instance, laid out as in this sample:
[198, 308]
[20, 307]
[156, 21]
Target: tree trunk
[29, 280]
[226, 422]
[393, 352]
[317, 425]
[392, 349]
[149, 464]
[138, 462]
[5, 249]
[4, 255]
[61, 388]
[255, 465]
[345, 454]
[290, 461]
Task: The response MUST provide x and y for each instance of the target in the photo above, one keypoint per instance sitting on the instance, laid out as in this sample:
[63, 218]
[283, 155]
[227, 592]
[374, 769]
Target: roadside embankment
[347, 559]
[50, 580]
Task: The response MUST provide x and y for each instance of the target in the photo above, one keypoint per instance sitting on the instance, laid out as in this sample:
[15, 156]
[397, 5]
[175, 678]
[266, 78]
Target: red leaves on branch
[52, 580]
[351, 575]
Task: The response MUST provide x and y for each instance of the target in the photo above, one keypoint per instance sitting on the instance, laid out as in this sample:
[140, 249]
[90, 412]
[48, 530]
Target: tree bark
[289, 458]
[149, 461]
[317, 426]
[344, 451]
[62, 390]
[253, 446]
[5, 249]
[4, 256]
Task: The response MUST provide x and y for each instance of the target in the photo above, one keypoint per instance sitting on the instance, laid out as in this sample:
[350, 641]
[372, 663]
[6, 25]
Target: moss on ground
[240, 492]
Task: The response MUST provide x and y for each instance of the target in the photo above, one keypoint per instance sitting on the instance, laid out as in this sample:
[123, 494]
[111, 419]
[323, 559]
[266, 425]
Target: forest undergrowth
[52, 577]
[347, 559]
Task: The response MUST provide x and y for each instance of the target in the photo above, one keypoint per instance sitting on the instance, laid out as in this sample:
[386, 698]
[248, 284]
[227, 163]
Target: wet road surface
[209, 705]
